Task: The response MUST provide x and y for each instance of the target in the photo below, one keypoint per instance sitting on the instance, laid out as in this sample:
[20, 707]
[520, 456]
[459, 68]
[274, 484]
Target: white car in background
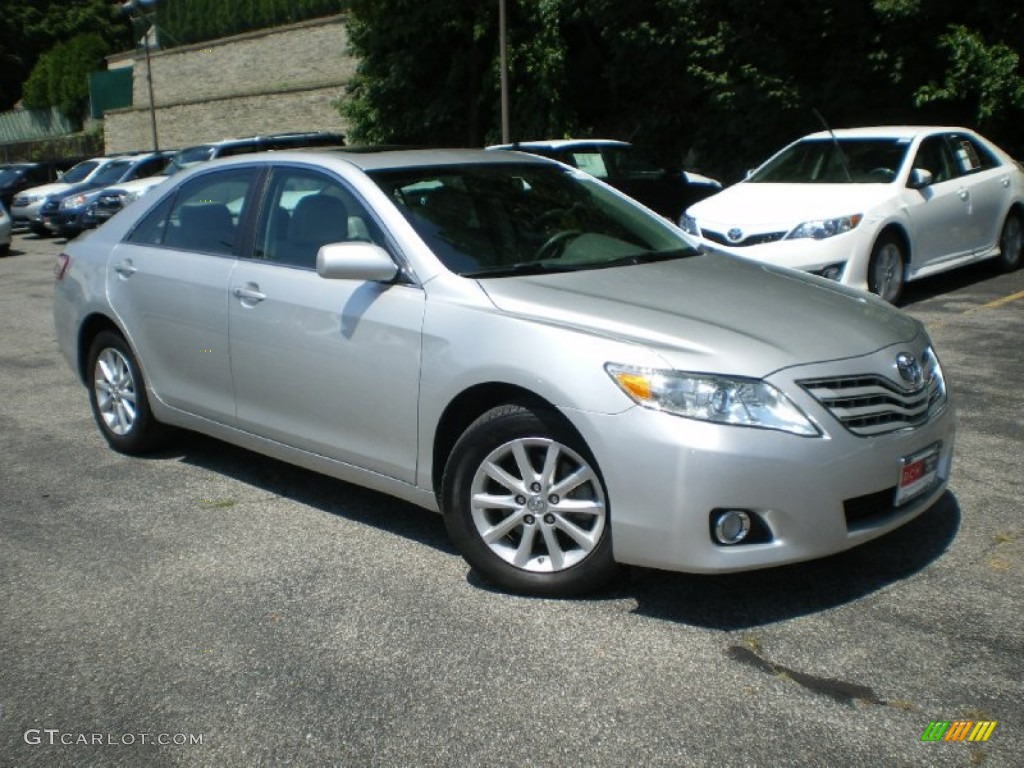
[873, 208]
[5, 231]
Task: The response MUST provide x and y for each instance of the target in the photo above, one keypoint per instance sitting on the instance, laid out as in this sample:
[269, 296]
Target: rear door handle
[126, 268]
[250, 294]
[965, 194]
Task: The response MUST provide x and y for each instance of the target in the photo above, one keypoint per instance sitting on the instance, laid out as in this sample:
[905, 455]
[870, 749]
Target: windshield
[188, 157]
[503, 219]
[111, 172]
[80, 172]
[825, 161]
[9, 175]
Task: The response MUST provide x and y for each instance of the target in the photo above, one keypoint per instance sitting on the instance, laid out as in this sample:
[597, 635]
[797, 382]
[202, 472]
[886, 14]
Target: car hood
[711, 312]
[46, 189]
[757, 205]
[136, 185]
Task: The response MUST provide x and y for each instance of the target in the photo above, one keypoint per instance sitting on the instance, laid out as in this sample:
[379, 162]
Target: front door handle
[965, 194]
[250, 294]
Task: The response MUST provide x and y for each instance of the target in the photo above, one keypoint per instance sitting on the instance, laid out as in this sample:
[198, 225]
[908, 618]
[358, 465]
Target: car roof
[557, 144]
[887, 132]
[369, 159]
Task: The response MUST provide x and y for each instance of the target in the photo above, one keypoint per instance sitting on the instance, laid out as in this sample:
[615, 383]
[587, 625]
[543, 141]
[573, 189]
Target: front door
[328, 366]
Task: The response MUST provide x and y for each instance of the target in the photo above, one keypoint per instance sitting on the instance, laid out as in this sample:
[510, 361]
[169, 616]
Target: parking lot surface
[207, 606]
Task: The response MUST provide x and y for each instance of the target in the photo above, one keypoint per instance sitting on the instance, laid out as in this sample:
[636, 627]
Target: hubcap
[888, 271]
[1013, 240]
[538, 505]
[115, 391]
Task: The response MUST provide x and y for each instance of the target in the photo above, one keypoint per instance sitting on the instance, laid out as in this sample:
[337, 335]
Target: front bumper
[665, 475]
[851, 250]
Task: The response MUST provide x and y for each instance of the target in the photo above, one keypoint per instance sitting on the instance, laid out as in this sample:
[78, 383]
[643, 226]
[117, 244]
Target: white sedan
[873, 208]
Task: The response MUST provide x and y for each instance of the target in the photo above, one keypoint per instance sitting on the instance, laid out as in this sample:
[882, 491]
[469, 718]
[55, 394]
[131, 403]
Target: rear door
[988, 186]
[168, 284]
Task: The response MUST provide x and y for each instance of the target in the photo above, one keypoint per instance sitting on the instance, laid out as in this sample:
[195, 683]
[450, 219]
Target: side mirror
[355, 261]
[60, 175]
[919, 178]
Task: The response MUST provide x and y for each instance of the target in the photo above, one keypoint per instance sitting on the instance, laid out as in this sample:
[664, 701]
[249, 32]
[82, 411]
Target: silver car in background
[517, 345]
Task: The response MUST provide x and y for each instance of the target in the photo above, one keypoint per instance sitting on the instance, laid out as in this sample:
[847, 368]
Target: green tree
[30, 28]
[725, 81]
[61, 76]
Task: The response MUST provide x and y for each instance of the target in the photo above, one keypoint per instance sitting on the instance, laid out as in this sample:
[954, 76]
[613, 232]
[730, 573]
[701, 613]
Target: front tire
[525, 504]
[886, 268]
[117, 394]
[1011, 242]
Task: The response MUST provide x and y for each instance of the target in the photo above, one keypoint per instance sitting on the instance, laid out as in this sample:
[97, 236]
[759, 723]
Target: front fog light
[833, 271]
[731, 526]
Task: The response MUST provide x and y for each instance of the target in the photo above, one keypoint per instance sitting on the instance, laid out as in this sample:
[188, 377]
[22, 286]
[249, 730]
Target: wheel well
[1017, 209]
[91, 328]
[466, 408]
[900, 234]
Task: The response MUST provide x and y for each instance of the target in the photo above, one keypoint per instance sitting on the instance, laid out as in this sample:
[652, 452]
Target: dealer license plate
[917, 473]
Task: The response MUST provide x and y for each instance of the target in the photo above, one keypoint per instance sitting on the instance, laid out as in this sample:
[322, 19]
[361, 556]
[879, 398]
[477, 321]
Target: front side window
[504, 219]
[304, 210]
[933, 155]
[202, 216]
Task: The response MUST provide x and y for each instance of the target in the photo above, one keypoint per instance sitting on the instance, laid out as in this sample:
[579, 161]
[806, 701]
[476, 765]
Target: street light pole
[503, 47]
[132, 9]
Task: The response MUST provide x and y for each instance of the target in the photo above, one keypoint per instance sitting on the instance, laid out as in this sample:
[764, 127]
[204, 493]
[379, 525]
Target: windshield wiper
[649, 257]
[523, 268]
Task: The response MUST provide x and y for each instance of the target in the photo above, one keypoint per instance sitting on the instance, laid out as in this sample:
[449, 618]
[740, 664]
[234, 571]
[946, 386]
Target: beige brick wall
[283, 79]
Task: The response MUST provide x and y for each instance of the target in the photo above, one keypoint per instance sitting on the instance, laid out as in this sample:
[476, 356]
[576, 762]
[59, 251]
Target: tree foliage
[723, 81]
[61, 76]
[31, 28]
[192, 21]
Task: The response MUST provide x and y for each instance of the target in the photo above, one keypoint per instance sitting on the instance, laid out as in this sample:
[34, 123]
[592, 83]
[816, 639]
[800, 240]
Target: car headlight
[75, 201]
[730, 400]
[689, 225]
[819, 229]
[129, 197]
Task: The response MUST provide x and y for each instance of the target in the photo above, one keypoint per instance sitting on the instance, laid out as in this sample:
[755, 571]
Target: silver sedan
[517, 345]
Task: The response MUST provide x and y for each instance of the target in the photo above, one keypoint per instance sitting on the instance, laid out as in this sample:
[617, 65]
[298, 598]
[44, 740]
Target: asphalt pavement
[207, 606]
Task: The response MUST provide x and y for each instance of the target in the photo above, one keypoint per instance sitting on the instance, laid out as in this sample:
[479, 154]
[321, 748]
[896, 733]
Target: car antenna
[835, 142]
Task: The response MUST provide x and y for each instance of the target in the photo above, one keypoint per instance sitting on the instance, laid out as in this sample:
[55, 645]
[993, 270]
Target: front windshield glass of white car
[842, 161]
[504, 219]
[111, 172]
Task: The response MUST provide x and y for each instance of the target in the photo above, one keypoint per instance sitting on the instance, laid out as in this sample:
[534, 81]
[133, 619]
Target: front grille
[872, 404]
[759, 239]
[50, 207]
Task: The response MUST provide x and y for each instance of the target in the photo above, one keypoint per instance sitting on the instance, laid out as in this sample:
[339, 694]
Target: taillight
[63, 262]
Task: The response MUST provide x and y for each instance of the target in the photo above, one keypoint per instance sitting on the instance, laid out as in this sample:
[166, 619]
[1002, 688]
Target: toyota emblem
[734, 235]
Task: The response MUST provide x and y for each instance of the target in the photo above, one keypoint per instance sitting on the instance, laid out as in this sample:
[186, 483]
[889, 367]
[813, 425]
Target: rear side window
[203, 216]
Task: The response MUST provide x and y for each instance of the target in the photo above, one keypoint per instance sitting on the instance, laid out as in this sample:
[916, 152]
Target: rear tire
[1011, 242]
[117, 394]
[525, 504]
[886, 269]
